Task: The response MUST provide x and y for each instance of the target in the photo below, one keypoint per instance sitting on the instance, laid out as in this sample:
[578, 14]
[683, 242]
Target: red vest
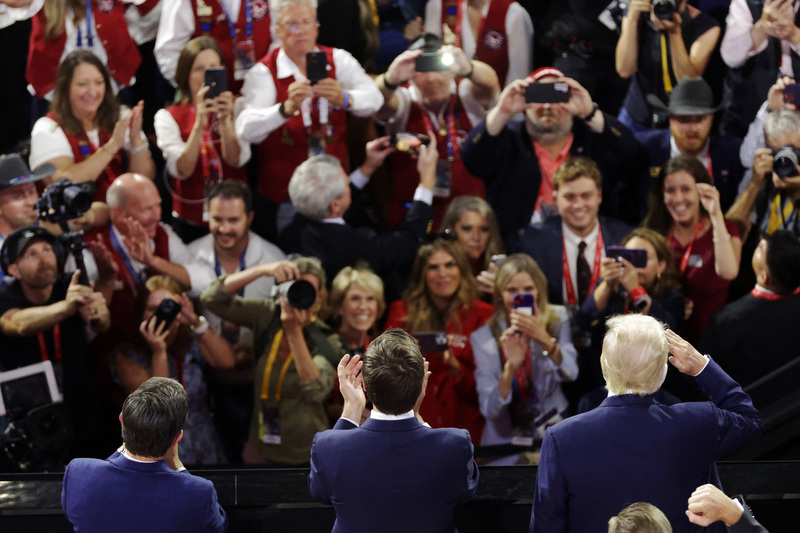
[112, 30]
[406, 177]
[193, 187]
[491, 44]
[216, 26]
[82, 148]
[287, 147]
[121, 310]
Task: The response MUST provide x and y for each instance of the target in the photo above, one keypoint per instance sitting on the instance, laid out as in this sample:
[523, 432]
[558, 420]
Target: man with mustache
[517, 158]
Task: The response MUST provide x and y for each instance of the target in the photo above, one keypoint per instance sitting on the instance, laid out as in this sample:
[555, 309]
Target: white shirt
[260, 115]
[407, 96]
[202, 273]
[48, 140]
[143, 29]
[519, 31]
[737, 42]
[169, 140]
[571, 242]
[10, 15]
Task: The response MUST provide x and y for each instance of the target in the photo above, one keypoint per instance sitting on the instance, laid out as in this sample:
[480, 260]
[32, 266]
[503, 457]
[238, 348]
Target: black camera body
[166, 312]
[299, 293]
[664, 9]
[36, 440]
[65, 200]
[785, 161]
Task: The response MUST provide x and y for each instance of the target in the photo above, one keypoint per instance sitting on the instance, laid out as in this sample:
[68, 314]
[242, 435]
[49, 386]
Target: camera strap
[56, 343]
[273, 354]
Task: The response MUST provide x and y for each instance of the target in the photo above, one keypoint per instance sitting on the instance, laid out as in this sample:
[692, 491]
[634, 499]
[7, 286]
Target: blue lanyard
[218, 268]
[89, 25]
[248, 16]
[135, 277]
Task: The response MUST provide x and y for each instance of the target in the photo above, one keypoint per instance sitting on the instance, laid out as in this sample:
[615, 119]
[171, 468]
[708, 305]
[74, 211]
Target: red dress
[701, 284]
[451, 402]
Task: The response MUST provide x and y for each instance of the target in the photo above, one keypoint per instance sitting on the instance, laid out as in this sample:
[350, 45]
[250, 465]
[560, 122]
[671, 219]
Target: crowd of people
[297, 178]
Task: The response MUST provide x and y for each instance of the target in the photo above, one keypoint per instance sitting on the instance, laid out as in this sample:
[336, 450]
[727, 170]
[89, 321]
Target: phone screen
[523, 303]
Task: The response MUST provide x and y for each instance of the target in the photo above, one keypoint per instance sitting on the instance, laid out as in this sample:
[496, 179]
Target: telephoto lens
[664, 9]
[299, 293]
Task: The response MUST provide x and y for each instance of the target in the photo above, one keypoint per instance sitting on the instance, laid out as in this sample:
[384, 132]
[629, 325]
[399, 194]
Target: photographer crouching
[46, 315]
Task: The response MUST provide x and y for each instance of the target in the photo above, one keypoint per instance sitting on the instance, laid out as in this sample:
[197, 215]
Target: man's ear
[120, 418]
[177, 438]
[763, 279]
[13, 270]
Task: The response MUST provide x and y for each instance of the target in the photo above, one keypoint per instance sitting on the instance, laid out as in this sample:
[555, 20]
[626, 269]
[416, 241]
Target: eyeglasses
[293, 27]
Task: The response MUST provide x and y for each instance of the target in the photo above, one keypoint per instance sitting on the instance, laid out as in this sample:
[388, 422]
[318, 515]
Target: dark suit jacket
[392, 476]
[341, 245]
[121, 495]
[751, 337]
[633, 449]
[543, 242]
[746, 524]
[725, 163]
[507, 164]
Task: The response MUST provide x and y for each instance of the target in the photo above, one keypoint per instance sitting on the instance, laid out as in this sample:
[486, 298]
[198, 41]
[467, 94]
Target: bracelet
[202, 328]
[727, 237]
[389, 85]
[637, 293]
[282, 111]
[133, 150]
[346, 102]
[590, 116]
[552, 350]
[469, 74]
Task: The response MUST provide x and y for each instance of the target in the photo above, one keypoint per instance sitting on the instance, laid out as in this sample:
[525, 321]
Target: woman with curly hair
[442, 298]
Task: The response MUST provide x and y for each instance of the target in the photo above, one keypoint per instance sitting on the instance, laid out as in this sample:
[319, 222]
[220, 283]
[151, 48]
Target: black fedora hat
[14, 171]
[692, 96]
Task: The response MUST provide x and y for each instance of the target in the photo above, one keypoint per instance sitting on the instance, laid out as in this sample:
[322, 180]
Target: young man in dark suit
[393, 470]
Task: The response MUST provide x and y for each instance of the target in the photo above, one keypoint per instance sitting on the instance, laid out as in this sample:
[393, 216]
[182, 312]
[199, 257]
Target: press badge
[244, 53]
[269, 430]
[695, 261]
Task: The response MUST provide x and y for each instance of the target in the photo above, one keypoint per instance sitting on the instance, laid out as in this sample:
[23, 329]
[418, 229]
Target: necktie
[584, 273]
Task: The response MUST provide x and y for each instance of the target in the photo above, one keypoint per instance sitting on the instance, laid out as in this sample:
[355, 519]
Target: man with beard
[517, 159]
[45, 316]
[231, 247]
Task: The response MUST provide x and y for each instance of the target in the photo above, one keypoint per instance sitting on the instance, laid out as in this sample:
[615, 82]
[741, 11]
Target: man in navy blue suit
[143, 486]
[394, 473]
[691, 116]
[632, 448]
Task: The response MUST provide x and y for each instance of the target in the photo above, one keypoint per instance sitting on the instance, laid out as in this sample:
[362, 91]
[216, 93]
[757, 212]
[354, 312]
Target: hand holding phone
[316, 66]
[547, 93]
[635, 256]
[433, 62]
[166, 312]
[216, 79]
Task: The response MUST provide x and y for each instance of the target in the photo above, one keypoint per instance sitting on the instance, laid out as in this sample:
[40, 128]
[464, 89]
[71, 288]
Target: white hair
[635, 352]
[781, 123]
[315, 184]
[276, 7]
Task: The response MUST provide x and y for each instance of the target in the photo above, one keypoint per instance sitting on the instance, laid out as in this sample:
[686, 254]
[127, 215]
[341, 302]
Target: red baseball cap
[542, 72]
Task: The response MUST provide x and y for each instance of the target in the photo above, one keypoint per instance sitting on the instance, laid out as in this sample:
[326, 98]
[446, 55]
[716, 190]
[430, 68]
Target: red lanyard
[771, 296]
[451, 127]
[459, 19]
[56, 343]
[598, 257]
[685, 259]
[708, 166]
[209, 158]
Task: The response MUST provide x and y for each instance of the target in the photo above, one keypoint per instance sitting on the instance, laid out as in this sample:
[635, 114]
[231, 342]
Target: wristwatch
[202, 327]
[590, 116]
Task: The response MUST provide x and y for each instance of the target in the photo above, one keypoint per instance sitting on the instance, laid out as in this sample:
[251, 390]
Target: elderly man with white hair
[632, 448]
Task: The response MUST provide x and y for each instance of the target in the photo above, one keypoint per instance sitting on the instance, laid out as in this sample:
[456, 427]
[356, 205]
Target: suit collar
[405, 424]
[627, 399]
[149, 468]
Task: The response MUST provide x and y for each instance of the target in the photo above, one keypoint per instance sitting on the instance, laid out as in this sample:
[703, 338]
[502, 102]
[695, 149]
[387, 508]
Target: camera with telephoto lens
[299, 293]
[664, 9]
[785, 161]
[65, 200]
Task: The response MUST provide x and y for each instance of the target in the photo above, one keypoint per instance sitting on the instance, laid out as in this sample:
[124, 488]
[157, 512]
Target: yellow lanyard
[778, 215]
[273, 353]
[665, 64]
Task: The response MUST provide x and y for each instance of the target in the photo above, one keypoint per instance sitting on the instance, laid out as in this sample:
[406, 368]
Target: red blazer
[449, 401]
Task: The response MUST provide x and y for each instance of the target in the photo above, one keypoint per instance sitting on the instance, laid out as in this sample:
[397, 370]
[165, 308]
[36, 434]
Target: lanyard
[459, 19]
[685, 259]
[134, 277]
[771, 296]
[87, 149]
[779, 216]
[665, 64]
[273, 353]
[708, 166]
[56, 343]
[209, 158]
[450, 132]
[248, 16]
[598, 257]
[218, 267]
[89, 25]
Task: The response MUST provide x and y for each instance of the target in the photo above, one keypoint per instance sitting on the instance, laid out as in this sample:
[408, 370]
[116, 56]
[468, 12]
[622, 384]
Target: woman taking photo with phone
[685, 208]
[522, 355]
[87, 136]
[197, 137]
[474, 222]
[178, 349]
[442, 299]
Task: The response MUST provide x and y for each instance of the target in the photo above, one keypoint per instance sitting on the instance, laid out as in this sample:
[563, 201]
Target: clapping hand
[351, 385]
